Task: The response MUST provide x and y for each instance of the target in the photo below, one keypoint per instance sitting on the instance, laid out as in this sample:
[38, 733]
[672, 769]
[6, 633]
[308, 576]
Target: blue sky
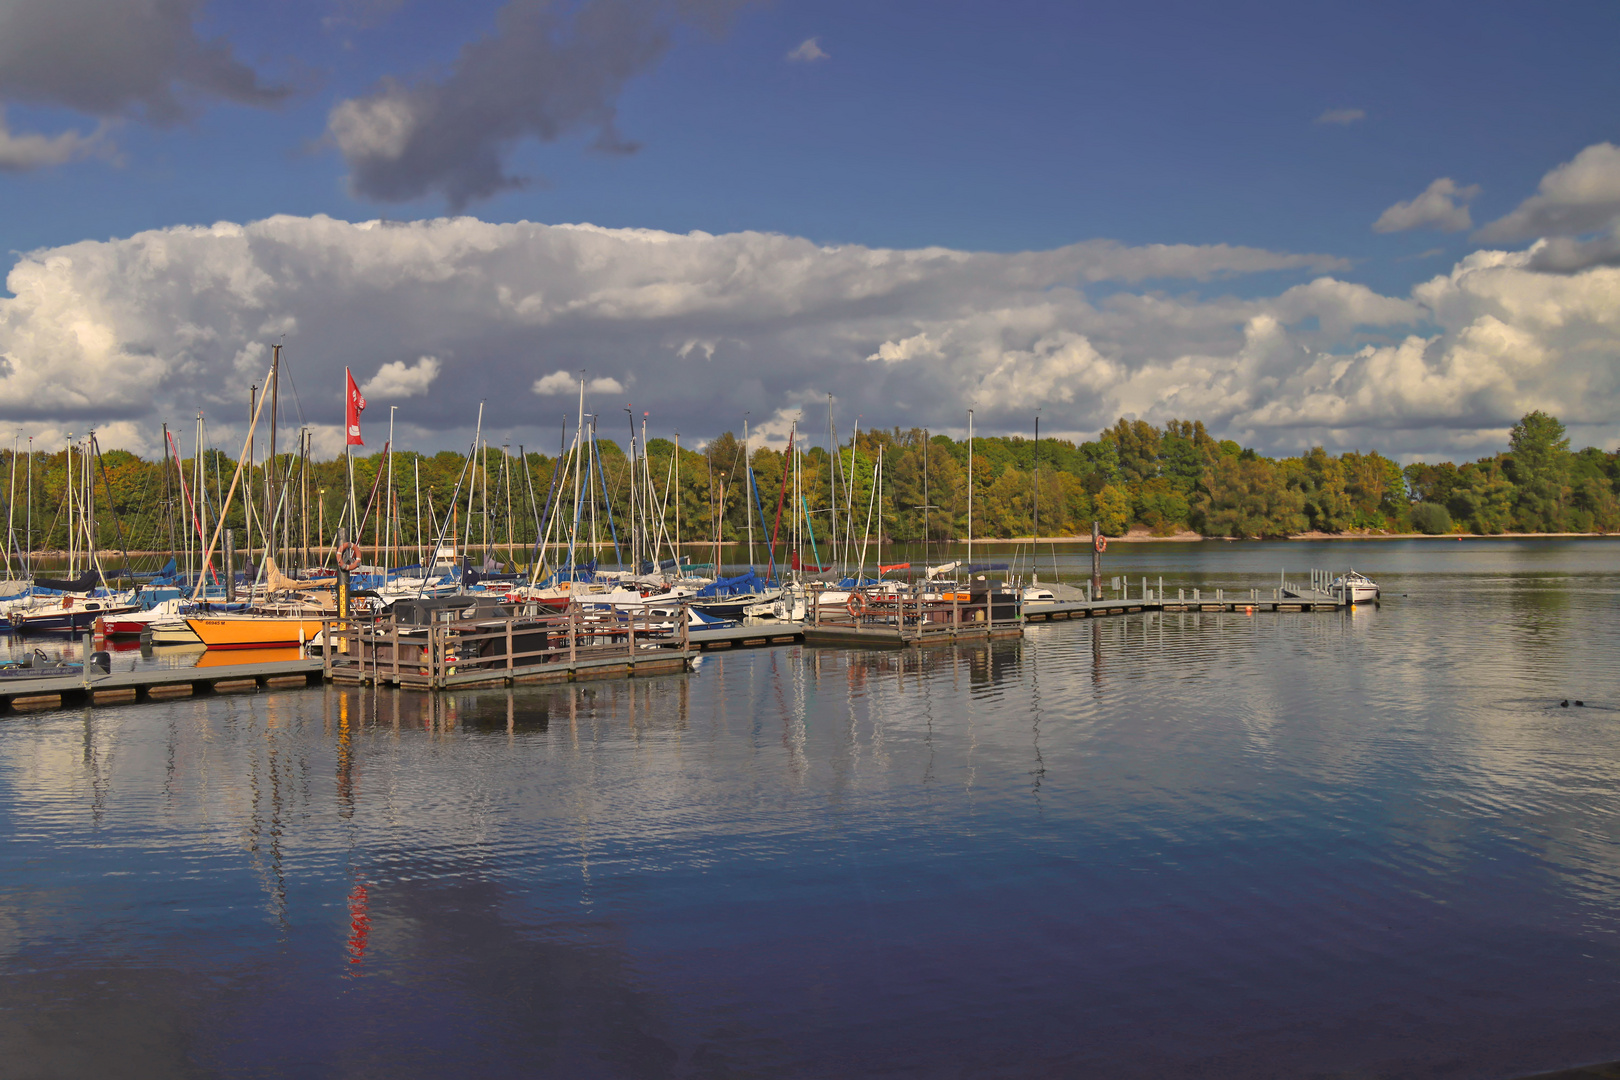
[1013, 127]
[996, 127]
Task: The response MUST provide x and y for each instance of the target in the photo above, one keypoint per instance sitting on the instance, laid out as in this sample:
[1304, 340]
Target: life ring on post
[348, 557]
[855, 605]
[1102, 543]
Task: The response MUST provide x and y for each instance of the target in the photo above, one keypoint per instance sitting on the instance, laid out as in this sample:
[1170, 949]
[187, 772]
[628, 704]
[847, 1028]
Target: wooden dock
[1299, 600]
[126, 687]
[901, 621]
[533, 647]
[749, 635]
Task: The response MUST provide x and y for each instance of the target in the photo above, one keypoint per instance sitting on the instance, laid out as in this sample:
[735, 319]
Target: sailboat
[77, 608]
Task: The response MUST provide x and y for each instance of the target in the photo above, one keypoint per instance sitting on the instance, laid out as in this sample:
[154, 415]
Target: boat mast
[926, 501]
[247, 489]
[1035, 527]
[751, 493]
[303, 497]
[389, 531]
[201, 503]
[29, 539]
[270, 503]
[677, 544]
[91, 563]
[970, 498]
[832, 484]
[67, 467]
[11, 509]
[593, 470]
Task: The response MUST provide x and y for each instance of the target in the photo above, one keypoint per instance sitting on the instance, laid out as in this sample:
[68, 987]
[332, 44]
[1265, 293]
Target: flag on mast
[356, 405]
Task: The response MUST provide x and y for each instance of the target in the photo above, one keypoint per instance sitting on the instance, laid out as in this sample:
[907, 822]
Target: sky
[1378, 226]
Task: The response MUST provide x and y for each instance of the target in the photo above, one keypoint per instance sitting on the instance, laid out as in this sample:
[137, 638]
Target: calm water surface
[1367, 844]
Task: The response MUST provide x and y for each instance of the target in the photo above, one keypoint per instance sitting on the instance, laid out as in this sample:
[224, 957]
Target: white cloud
[1577, 197]
[567, 382]
[706, 328]
[396, 380]
[20, 153]
[1341, 116]
[1443, 205]
[808, 51]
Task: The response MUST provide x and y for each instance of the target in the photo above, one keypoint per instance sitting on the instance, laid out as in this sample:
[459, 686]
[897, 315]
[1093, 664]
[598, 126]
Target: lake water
[1328, 845]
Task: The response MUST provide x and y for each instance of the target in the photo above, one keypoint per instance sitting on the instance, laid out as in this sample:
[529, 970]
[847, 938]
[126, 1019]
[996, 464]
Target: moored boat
[1358, 587]
[254, 631]
[66, 614]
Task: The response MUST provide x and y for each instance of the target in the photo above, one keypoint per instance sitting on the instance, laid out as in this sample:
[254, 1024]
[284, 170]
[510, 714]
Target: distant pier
[573, 647]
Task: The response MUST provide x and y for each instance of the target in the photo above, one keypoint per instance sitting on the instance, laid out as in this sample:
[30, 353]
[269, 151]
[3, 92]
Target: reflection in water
[1367, 843]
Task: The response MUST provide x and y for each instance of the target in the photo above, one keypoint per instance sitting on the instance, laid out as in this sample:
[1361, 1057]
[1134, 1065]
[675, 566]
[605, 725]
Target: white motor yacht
[1359, 587]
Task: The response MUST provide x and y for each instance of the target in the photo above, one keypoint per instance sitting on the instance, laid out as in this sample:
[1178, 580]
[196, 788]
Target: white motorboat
[1359, 587]
[1038, 596]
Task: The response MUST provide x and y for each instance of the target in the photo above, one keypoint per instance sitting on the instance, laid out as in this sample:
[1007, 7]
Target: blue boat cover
[741, 585]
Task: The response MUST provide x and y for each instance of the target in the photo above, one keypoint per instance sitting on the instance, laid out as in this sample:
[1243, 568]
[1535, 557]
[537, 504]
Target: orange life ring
[1102, 543]
[855, 605]
[348, 557]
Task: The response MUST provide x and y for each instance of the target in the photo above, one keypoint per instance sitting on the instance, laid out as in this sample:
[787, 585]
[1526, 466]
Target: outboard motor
[102, 662]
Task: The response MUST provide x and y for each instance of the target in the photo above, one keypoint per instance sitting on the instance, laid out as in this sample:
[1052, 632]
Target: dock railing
[917, 616]
[535, 644]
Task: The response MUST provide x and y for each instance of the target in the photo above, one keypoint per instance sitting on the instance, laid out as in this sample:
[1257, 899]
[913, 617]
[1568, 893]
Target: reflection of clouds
[1288, 784]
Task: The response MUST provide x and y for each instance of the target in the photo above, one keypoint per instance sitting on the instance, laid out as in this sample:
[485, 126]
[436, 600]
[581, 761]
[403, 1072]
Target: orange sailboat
[255, 631]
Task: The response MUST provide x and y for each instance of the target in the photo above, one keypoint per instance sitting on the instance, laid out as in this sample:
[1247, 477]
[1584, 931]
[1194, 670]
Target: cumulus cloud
[1443, 205]
[112, 58]
[396, 380]
[548, 71]
[808, 51]
[20, 153]
[1577, 197]
[565, 382]
[706, 328]
[1341, 116]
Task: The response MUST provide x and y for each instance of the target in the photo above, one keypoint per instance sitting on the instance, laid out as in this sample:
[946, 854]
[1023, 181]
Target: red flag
[356, 405]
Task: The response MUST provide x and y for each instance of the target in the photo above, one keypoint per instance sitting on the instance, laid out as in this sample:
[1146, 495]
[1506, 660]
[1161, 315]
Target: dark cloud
[549, 70]
[112, 58]
[1567, 255]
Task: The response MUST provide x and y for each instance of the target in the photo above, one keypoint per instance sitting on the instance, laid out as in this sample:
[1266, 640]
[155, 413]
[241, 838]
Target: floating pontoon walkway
[125, 687]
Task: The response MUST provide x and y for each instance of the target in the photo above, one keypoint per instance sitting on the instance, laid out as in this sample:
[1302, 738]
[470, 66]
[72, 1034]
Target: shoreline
[1143, 537]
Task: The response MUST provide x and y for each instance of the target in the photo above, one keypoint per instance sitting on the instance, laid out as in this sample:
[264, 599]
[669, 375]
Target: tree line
[1165, 480]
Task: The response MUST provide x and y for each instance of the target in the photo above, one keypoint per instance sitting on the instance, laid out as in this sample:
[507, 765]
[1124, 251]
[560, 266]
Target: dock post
[1096, 562]
[396, 653]
[326, 650]
[343, 580]
[1161, 588]
[573, 632]
[508, 648]
[230, 566]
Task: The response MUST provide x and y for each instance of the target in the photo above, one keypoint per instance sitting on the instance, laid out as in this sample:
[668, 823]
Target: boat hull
[269, 632]
[66, 621]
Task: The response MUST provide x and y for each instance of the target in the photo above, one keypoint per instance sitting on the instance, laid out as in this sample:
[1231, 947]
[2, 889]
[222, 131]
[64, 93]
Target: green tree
[1538, 468]
[1248, 498]
[1114, 510]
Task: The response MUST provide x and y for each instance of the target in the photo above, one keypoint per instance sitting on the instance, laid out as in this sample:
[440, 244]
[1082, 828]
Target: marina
[457, 642]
